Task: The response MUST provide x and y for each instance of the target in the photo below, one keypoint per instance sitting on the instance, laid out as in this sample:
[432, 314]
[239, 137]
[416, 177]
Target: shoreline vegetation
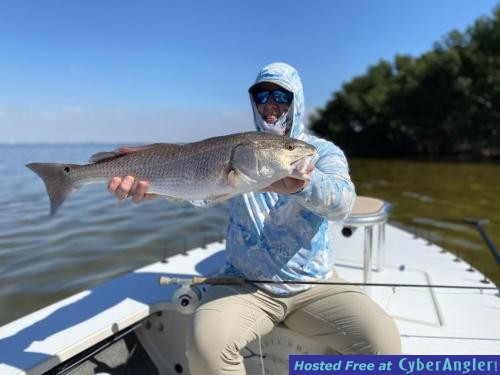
[442, 105]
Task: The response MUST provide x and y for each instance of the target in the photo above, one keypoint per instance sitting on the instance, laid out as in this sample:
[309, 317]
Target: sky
[176, 71]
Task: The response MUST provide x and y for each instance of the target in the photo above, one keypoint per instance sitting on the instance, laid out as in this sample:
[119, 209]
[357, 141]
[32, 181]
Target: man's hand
[290, 185]
[122, 188]
[127, 186]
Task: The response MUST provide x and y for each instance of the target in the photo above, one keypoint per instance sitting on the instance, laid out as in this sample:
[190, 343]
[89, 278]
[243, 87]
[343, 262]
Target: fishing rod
[479, 223]
[198, 280]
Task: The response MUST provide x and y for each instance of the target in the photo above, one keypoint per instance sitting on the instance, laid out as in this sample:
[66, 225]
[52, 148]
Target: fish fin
[167, 197]
[57, 180]
[105, 155]
[219, 198]
[151, 196]
[129, 149]
[122, 151]
[237, 179]
[232, 179]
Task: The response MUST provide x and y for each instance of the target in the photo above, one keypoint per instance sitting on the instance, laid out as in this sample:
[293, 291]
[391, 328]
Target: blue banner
[393, 364]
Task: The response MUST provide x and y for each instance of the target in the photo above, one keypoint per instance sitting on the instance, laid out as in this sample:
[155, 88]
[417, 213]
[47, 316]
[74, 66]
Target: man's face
[271, 111]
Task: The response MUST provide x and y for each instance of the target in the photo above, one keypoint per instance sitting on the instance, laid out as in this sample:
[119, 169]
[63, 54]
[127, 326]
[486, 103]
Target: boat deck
[431, 321]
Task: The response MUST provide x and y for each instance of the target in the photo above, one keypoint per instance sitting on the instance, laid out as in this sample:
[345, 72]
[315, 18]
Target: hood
[287, 77]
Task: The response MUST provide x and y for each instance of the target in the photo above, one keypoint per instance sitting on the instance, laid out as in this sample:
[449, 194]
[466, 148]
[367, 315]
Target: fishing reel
[187, 298]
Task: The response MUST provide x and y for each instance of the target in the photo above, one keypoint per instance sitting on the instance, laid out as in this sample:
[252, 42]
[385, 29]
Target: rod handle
[196, 280]
[218, 280]
[165, 280]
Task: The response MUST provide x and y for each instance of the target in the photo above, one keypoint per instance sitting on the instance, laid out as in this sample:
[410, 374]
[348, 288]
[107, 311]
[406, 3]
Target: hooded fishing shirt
[283, 237]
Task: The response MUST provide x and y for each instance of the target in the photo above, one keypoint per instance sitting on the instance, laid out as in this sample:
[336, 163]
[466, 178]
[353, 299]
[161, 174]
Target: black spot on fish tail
[57, 180]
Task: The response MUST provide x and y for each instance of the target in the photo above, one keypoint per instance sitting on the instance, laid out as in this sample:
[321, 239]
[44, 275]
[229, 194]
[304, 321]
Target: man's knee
[383, 338]
[209, 350]
[211, 346]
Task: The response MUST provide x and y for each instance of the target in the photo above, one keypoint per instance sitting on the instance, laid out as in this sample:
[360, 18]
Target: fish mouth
[301, 168]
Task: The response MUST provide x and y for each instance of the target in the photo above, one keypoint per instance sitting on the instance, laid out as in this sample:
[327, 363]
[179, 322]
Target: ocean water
[94, 238]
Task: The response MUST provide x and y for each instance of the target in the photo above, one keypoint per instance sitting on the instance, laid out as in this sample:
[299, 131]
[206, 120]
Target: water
[94, 238]
[432, 199]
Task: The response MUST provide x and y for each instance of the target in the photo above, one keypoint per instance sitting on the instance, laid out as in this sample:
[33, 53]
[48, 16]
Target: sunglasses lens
[279, 96]
[282, 97]
[261, 97]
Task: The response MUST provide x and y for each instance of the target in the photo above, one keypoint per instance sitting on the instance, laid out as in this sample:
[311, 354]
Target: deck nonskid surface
[430, 320]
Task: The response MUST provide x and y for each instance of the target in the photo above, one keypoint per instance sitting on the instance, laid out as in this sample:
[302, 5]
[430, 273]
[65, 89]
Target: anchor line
[165, 280]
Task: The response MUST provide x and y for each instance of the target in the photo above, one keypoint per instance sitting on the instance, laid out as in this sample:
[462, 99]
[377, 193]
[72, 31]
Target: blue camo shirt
[285, 237]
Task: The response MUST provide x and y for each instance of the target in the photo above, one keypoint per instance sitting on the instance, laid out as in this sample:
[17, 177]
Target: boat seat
[368, 213]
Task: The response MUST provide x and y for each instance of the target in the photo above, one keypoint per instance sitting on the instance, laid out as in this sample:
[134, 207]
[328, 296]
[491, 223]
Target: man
[281, 235]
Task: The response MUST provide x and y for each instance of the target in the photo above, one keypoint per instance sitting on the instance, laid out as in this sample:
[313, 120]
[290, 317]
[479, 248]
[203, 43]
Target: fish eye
[289, 146]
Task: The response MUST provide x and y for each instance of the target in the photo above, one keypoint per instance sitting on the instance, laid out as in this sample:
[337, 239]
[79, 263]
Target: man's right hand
[127, 186]
[123, 187]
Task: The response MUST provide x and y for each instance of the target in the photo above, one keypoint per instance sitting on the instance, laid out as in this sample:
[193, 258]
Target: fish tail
[57, 180]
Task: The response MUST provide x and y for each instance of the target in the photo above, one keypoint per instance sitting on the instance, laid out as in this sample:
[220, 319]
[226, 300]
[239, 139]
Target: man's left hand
[290, 185]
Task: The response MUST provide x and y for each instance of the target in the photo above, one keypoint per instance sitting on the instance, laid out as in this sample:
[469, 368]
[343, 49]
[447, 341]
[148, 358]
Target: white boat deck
[431, 321]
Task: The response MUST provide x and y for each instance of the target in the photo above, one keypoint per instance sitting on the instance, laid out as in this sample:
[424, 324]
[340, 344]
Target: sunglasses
[279, 96]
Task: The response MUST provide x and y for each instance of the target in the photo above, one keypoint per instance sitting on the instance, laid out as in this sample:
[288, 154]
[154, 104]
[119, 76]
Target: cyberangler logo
[444, 365]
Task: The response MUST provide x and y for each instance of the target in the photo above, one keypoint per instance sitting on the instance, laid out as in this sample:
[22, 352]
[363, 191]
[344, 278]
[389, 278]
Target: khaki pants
[229, 317]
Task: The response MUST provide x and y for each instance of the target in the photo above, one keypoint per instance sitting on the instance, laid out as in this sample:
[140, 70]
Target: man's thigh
[235, 315]
[344, 318]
